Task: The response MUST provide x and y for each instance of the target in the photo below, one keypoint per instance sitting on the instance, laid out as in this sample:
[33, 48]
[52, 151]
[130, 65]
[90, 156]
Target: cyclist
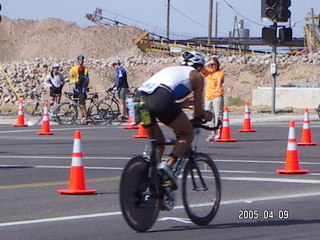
[160, 92]
[55, 81]
[122, 87]
[80, 91]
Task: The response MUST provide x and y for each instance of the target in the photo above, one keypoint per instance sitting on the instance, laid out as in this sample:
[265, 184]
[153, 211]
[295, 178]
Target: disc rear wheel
[139, 194]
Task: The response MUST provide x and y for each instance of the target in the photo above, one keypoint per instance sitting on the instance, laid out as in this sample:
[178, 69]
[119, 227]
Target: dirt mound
[27, 39]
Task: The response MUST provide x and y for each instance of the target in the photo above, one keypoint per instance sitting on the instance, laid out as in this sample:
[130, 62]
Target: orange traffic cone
[306, 139]
[292, 156]
[130, 125]
[247, 121]
[77, 184]
[45, 130]
[142, 132]
[20, 118]
[225, 131]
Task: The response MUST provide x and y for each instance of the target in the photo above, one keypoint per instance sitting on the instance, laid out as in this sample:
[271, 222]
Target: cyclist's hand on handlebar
[187, 103]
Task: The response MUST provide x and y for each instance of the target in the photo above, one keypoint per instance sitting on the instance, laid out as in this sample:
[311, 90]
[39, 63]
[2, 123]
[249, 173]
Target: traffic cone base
[292, 156]
[283, 171]
[307, 144]
[247, 130]
[226, 140]
[77, 184]
[142, 132]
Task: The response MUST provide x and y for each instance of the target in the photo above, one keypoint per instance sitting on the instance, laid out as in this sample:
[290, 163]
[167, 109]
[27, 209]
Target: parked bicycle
[98, 111]
[33, 111]
[113, 101]
[143, 195]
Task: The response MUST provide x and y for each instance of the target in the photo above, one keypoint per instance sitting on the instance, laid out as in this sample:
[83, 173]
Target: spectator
[214, 92]
[55, 81]
[80, 91]
[74, 78]
[122, 87]
[74, 75]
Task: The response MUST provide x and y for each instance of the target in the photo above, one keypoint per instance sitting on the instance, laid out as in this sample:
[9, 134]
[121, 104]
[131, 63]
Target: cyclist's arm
[197, 83]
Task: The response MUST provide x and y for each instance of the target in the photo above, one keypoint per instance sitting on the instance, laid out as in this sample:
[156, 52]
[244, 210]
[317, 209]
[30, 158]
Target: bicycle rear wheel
[66, 113]
[101, 113]
[201, 189]
[33, 113]
[139, 211]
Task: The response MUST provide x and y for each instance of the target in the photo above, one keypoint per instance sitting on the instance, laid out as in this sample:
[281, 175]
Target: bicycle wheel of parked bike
[33, 113]
[66, 113]
[201, 189]
[101, 113]
[318, 110]
[139, 211]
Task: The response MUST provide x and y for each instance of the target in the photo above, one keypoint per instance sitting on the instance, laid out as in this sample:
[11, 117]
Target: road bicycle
[143, 194]
[33, 111]
[113, 101]
[98, 111]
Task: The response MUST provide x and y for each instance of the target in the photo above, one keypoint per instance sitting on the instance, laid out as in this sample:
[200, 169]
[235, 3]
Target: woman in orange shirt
[214, 92]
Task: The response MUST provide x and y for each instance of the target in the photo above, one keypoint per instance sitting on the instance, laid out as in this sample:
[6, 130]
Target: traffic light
[275, 10]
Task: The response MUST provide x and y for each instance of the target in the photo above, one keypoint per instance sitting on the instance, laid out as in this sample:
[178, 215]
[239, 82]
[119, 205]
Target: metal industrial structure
[234, 44]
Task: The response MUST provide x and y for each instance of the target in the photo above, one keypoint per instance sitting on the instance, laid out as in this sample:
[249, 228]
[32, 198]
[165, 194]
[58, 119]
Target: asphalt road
[33, 168]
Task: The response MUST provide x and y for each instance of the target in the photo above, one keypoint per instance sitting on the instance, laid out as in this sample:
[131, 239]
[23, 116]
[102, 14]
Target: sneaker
[83, 121]
[210, 138]
[216, 137]
[167, 175]
[122, 118]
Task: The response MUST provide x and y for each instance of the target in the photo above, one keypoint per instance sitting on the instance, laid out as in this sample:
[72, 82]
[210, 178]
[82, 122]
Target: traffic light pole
[273, 71]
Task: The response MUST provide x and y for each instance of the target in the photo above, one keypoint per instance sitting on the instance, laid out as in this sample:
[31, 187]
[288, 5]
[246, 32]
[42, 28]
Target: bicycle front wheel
[33, 113]
[66, 113]
[201, 189]
[139, 194]
[101, 113]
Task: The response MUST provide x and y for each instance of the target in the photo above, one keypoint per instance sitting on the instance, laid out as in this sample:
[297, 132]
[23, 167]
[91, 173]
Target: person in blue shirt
[122, 87]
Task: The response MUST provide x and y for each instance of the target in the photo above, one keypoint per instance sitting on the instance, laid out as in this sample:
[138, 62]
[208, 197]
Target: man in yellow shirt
[74, 78]
[214, 92]
[74, 75]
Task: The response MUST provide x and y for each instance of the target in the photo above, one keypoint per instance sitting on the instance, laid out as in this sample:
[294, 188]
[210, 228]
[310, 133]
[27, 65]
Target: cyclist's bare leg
[84, 114]
[122, 107]
[155, 132]
[185, 131]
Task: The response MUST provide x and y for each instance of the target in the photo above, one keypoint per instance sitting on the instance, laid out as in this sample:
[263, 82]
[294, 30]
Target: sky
[188, 18]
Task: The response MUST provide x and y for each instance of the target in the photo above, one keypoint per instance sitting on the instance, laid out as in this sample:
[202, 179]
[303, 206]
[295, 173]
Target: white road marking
[182, 220]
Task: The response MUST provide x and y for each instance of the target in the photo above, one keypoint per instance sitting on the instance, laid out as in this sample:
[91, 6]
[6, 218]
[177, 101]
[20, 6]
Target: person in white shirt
[55, 81]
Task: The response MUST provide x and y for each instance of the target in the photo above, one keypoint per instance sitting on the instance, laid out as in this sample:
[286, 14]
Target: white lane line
[278, 180]
[127, 158]
[260, 161]
[110, 214]
[58, 129]
[59, 219]
[61, 157]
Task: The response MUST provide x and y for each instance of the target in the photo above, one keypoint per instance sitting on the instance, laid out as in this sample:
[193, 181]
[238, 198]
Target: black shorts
[54, 91]
[82, 97]
[162, 105]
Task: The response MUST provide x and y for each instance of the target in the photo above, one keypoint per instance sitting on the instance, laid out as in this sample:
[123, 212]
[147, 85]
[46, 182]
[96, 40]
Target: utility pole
[216, 22]
[168, 19]
[313, 30]
[210, 22]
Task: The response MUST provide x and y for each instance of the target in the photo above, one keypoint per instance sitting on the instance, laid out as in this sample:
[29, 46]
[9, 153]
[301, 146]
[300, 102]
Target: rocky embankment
[242, 72]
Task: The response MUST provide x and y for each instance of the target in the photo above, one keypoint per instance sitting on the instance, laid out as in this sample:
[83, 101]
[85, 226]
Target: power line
[229, 5]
